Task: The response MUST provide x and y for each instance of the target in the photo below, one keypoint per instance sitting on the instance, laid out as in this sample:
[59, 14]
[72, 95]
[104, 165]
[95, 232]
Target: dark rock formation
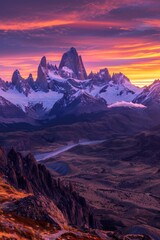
[30, 81]
[38, 208]
[26, 174]
[119, 78]
[42, 83]
[20, 83]
[16, 78]
[74, 62]
[100, 78]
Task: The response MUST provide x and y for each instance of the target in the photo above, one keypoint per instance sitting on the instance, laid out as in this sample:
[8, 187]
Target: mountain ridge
[37, 98]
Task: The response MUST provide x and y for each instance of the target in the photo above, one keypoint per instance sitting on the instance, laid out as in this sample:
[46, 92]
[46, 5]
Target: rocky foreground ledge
[34, 205]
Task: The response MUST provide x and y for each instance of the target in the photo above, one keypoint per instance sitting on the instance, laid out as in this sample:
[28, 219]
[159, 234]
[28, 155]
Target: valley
[117, 178]
[79, 154]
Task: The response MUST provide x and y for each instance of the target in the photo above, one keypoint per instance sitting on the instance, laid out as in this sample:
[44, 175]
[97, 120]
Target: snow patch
[54, 76]
[19, 99]
[66, 69]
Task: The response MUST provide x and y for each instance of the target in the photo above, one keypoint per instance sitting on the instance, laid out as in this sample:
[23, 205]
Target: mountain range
[68, 90]
[99, 178]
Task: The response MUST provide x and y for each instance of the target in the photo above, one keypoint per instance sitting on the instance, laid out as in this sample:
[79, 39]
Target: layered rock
[30, 81]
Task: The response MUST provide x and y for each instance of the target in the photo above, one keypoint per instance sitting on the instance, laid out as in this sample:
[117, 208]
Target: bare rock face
[30, 81]
[41, 81]
[26, 174]
[20, 83]
[119, 78]
[38, 208]
[50, 201]
[16, 78]
[100, 78]
[73, 62]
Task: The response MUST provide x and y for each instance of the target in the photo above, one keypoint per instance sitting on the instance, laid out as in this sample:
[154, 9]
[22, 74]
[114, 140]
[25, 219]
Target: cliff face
[42, 75]
[46, 205]
[26, 174]
[72, 61]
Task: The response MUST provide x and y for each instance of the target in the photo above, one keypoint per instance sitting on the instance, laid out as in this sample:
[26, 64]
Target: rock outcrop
[26, 174]
[41, 81]
[20, 83]
[74, 63]
[100, 78]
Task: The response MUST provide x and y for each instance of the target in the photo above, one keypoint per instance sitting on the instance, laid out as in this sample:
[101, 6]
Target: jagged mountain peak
[17, 71]
[150, 96]
[73, 61]
[43, 62]
[77, 104]
[68, 82]
[42, 73]
[30, 76]
[20, 84]
[16, 77]
[101, 77]
[73, 50]
[155, 83]
[119, 78]
[82, 93]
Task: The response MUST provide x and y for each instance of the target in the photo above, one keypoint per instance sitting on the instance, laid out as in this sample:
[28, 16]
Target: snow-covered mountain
[77, 104]
[150, 96]
[72, 65]
[10, 110]
[67, 89]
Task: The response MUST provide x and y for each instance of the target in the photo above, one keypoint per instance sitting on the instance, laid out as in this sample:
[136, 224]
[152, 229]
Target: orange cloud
[142, 73]
[15, 26]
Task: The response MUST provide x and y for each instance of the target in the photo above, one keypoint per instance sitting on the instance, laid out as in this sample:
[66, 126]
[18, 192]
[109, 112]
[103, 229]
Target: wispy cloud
[121, 35]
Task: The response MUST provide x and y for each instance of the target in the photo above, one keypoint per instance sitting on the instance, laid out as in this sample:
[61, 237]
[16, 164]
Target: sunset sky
[120, 35]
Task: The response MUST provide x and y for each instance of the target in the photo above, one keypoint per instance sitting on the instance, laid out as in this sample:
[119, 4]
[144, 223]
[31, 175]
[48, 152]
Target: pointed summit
[30, 81]
[19, 83]
[74, 62]
[16, 77]
[100, 78]
[73, 50]
[42, 75]
[43, 62]
[119, 78]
